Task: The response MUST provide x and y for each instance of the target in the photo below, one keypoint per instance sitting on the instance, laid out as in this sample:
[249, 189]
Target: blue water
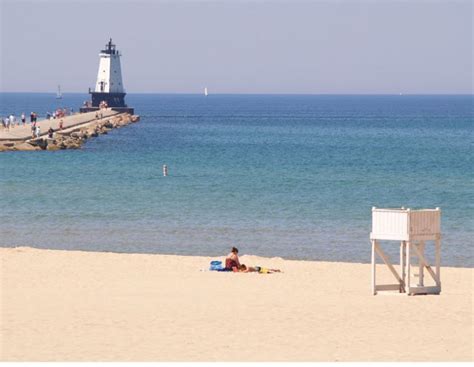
[293, 176]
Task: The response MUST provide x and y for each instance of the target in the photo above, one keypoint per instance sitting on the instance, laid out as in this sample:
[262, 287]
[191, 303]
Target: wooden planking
[427, 290]
[387, 287]
[390, 236]
[391, 222]
[424, 237]
[405, 224]
[425, 222]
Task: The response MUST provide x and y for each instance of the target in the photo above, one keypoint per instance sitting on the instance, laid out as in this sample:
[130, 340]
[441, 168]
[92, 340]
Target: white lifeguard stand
[412, 228]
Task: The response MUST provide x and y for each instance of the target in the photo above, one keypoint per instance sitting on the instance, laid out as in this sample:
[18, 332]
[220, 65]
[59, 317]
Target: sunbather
[259, 269]
[232, 260]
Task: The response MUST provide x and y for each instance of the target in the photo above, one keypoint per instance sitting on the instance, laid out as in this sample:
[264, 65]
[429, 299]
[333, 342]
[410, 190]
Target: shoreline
[215, 257]
[142, 307]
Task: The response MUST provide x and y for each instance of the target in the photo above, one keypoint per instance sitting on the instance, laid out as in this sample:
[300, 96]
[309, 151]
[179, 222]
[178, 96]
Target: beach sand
[88, 306]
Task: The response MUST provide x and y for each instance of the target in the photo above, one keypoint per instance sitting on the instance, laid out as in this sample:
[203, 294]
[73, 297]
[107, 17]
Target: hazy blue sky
[241, 47]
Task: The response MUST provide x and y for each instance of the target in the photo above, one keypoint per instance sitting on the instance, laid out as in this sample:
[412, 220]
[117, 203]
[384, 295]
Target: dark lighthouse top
[109, 48]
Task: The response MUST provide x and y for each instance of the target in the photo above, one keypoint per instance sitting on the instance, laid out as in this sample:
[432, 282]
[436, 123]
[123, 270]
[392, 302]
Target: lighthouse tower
[109, 86]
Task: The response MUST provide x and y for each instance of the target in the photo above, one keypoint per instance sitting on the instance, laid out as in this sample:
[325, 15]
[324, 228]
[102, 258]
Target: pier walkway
[23, 132]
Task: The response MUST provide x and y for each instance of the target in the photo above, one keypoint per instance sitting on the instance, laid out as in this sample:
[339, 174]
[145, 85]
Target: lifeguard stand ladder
[412, 228]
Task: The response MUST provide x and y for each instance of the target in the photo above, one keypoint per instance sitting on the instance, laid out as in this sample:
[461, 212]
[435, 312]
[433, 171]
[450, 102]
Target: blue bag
[216, 265]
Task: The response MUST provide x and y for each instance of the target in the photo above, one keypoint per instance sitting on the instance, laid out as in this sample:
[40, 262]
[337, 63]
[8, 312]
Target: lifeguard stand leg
[373, 267]
[438, 261]
[402, 263]
[421, 267]
[407, 266]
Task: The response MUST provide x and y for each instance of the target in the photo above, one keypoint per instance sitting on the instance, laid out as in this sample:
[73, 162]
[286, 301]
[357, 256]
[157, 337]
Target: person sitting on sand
[258, 269]
[232, 260]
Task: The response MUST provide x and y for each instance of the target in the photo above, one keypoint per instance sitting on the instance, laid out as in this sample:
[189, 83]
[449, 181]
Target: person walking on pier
[12, 120]
[61, 124]
[23, 118]
[38, 131]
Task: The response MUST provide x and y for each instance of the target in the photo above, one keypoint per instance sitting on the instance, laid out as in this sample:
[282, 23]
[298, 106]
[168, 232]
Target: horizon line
[267, 93]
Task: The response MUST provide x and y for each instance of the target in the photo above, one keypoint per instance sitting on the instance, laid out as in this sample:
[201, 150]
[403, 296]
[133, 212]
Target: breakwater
[66, 133]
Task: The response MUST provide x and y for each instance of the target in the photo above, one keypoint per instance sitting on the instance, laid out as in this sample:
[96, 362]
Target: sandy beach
[87, 306]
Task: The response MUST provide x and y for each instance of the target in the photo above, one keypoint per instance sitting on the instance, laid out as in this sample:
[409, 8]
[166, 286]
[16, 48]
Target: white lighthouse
[109, 86]
[109, 77]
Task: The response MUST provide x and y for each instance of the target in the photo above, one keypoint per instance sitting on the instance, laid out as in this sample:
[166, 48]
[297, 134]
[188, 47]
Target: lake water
[293, 176]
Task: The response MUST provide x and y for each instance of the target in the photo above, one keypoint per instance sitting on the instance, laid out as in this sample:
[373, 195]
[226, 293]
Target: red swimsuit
[229, 264]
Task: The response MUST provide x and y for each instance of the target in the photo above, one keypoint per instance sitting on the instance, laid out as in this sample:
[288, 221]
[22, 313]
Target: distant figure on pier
[23, 118]
[61, 124]
[32, 117]
[50, 133]
[38, 131]
[6, 123]
[12, 120]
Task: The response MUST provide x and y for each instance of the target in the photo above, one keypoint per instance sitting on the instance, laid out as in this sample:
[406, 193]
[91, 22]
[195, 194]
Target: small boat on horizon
[59, 94]
[205, 91]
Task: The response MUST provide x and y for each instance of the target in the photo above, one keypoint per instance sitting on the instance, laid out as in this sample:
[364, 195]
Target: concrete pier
[76, 129]
[23, 133]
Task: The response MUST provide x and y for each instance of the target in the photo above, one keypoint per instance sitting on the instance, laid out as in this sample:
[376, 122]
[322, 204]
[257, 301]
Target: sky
[281, 47]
